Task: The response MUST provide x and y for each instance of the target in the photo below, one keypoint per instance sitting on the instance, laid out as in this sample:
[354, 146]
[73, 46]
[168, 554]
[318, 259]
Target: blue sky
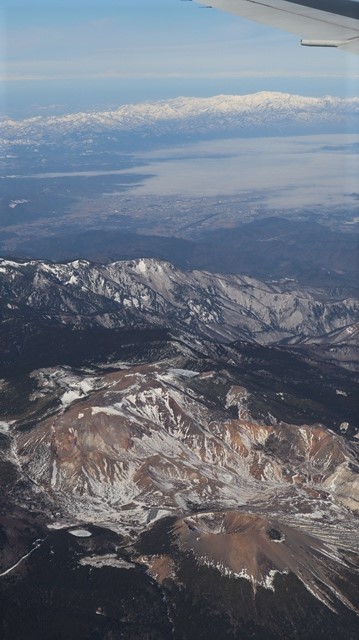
[102, 53]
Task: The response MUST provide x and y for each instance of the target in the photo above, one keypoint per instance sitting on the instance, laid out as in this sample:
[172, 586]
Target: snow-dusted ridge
[149, 292]
[263, 111]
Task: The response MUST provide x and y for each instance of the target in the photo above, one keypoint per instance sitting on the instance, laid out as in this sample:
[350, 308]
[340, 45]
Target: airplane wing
[320, 23]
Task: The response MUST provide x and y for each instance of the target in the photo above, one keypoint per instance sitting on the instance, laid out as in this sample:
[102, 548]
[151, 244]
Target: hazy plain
[294, 171]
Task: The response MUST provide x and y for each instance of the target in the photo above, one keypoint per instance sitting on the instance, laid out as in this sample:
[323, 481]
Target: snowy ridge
[149, 292]
[222, 112]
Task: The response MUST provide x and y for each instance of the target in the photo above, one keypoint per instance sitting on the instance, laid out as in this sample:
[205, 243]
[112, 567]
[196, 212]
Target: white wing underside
[332, 23]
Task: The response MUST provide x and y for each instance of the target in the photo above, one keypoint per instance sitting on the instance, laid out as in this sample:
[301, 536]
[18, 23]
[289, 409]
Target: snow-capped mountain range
[149, 292]
[187, 118]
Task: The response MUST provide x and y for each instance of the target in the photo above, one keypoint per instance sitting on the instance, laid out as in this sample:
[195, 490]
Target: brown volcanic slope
[145, 444]
[257, 548]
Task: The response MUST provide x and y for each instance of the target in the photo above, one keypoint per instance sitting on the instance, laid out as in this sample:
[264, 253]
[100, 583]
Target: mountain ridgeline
[190, 119]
